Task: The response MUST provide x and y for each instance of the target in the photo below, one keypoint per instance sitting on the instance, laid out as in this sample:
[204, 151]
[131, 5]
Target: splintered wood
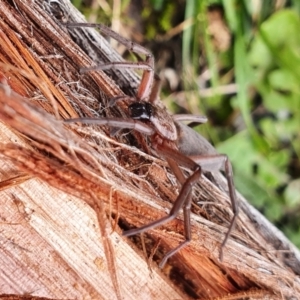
[62, 185]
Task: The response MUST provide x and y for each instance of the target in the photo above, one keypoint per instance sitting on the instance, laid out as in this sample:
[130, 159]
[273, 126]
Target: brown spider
[178, 143]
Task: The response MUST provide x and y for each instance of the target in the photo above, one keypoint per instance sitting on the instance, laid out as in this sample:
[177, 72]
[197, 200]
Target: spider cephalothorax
[141, 111]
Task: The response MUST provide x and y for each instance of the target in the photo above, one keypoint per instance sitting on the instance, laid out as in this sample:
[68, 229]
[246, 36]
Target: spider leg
[114, 100]
[145, 87]
[140, 65]
[186, 213]
[130, 45]
[155, 90]
[211, 162]
[218, 162]
[184, 195]
[183, 200]
[190, 118]
[187, 231]
[117, 123]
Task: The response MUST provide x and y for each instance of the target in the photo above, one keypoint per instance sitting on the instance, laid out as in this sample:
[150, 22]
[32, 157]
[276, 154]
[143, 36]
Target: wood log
[67, 190]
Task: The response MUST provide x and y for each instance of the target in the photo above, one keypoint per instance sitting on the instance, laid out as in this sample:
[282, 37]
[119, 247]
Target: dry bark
[59, 183]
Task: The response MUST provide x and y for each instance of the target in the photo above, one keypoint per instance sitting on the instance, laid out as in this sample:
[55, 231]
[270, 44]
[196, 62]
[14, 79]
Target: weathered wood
[55, 245]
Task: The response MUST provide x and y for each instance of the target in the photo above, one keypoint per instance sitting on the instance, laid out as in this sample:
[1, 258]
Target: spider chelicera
[176, 142]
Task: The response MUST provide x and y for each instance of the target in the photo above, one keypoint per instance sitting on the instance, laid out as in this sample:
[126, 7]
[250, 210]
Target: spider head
[159, 118]
[140, 110]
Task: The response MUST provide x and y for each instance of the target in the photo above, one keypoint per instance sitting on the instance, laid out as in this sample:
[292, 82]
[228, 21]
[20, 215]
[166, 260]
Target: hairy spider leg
[145, 87]
[203, 153]
[186, 213]
[212, 162]
[190, 118]
[116, 122]
[183, 200]
[219, 162]
[156, 86]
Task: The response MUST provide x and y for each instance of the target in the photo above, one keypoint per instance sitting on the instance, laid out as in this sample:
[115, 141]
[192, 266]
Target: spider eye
[140, 110]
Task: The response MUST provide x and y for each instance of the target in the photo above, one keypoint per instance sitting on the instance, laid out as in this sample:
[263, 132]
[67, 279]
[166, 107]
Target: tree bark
[60, 183]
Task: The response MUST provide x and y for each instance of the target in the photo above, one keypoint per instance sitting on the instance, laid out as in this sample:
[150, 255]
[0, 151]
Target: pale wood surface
[55, 238]
[51, 246]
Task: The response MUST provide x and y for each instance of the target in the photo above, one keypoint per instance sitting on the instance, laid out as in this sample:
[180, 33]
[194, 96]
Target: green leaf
[257, 185]
[292, 193]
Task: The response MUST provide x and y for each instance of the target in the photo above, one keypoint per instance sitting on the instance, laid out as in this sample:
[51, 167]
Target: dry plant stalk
[55, 245]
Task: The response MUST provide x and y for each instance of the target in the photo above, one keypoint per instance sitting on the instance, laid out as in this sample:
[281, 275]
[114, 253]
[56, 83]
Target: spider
[176, 142]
